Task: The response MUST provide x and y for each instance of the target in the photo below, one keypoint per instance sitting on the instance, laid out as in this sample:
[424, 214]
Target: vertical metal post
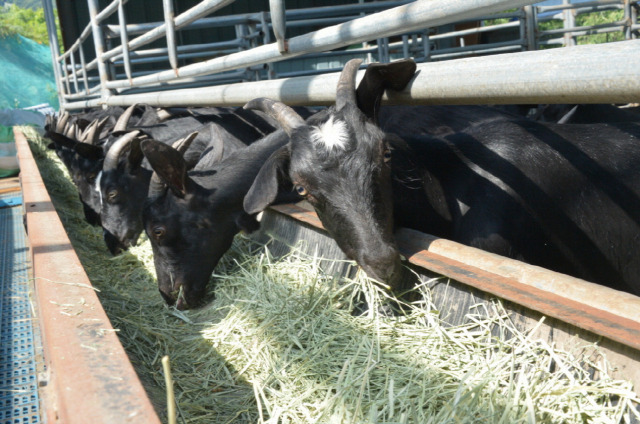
[169, 21]
[73, 71]
[98, 42]
[626, 5]
[383, 50]
[634, 17]
[568, 22]
[50, 21]
[531, 26]
[242, 32]
[279, 24]
[266, 39]
[405, 46]
[426, 45]
[84, 68]
[124, 40]
[65, 76]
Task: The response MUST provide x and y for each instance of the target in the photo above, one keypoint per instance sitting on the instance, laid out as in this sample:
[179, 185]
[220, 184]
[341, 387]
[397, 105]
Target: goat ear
[377, 78]
[89, 151]
[61, 140]
[134, 160]
[264, 189]
[168, 164]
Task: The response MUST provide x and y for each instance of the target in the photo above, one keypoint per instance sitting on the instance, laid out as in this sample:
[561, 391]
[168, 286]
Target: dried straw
[280, 343]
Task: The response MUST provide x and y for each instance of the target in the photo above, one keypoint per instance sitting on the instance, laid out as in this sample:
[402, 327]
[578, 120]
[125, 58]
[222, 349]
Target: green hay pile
[280, 344]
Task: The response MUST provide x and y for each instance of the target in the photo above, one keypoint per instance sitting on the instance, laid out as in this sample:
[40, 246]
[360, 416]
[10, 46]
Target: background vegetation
[26, 21]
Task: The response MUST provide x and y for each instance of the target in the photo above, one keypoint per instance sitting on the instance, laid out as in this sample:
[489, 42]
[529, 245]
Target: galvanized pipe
[580, 74]
[99, 47]
[198, 11]
[402, 19]
[474, 30]
[170, 30]
[531, 25]
[73, 73]
[278, 23]
[619, 26]
[191, 48]
[84, 68]
[295, 14]
[124, 40]
[50, 22]
[565, 6]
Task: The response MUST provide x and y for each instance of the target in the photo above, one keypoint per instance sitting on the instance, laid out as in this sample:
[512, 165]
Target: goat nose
[384, 265]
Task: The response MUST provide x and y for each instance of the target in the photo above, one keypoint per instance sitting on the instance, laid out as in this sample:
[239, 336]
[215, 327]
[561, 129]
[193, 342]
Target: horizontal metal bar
[395, 21]
[509, 47]
[185, 18]
[560, 41]
[617, 24]
[542, 9]
[474, 30]
[294, 14]
[579, 74]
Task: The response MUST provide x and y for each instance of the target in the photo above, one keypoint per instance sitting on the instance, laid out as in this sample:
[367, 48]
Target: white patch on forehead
[332, 133]
[97, 186]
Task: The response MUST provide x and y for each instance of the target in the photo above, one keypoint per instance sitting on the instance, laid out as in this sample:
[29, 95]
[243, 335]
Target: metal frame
[252, 55]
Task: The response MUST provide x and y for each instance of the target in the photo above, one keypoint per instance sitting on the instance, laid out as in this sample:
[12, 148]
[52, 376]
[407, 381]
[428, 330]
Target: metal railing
[376, 31]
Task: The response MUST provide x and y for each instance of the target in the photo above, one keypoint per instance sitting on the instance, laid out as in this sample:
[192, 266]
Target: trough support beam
[580, 74]
[91, 379]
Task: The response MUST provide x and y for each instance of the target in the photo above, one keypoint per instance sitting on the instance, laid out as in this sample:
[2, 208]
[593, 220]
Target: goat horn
[163, 114]
[94, 134]
[123, 120]
[183, 144]
[286, 117]
[113, 154]
[346, 91]
[84, 136]
[62, 122]
[71, 131]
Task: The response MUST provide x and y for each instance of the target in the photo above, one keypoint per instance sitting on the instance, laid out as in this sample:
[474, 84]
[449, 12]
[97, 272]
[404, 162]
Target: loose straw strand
[171, 402]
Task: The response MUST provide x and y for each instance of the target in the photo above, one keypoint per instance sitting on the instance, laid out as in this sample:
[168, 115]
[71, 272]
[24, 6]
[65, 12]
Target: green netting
[26, 74]
[8, 162]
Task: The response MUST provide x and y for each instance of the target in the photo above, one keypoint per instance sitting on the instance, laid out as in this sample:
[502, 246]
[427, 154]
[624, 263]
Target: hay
[280, 344]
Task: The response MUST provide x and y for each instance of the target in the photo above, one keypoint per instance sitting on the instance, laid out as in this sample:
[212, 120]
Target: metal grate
[19, 402]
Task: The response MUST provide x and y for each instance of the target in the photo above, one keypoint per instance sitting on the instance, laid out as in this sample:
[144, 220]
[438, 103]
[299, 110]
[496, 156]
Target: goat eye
[387, 155]
[112, 194]
[300, 190]
[91, 178]
[158, 232]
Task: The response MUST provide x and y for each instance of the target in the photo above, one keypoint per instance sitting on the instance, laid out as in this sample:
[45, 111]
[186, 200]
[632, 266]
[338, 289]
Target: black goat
[566, 197]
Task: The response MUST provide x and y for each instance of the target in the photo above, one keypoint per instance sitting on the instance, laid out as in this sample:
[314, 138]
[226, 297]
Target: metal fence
[381, 31]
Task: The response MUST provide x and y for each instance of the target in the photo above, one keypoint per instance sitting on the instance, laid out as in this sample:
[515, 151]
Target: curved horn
[85, 134]
[123, 120]
[183, 144]
[346, 91]
[112, 156]
[62, 122]
[163, 115]
[286, 117]
[156, 186]
[71, 131]
[93, 136]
